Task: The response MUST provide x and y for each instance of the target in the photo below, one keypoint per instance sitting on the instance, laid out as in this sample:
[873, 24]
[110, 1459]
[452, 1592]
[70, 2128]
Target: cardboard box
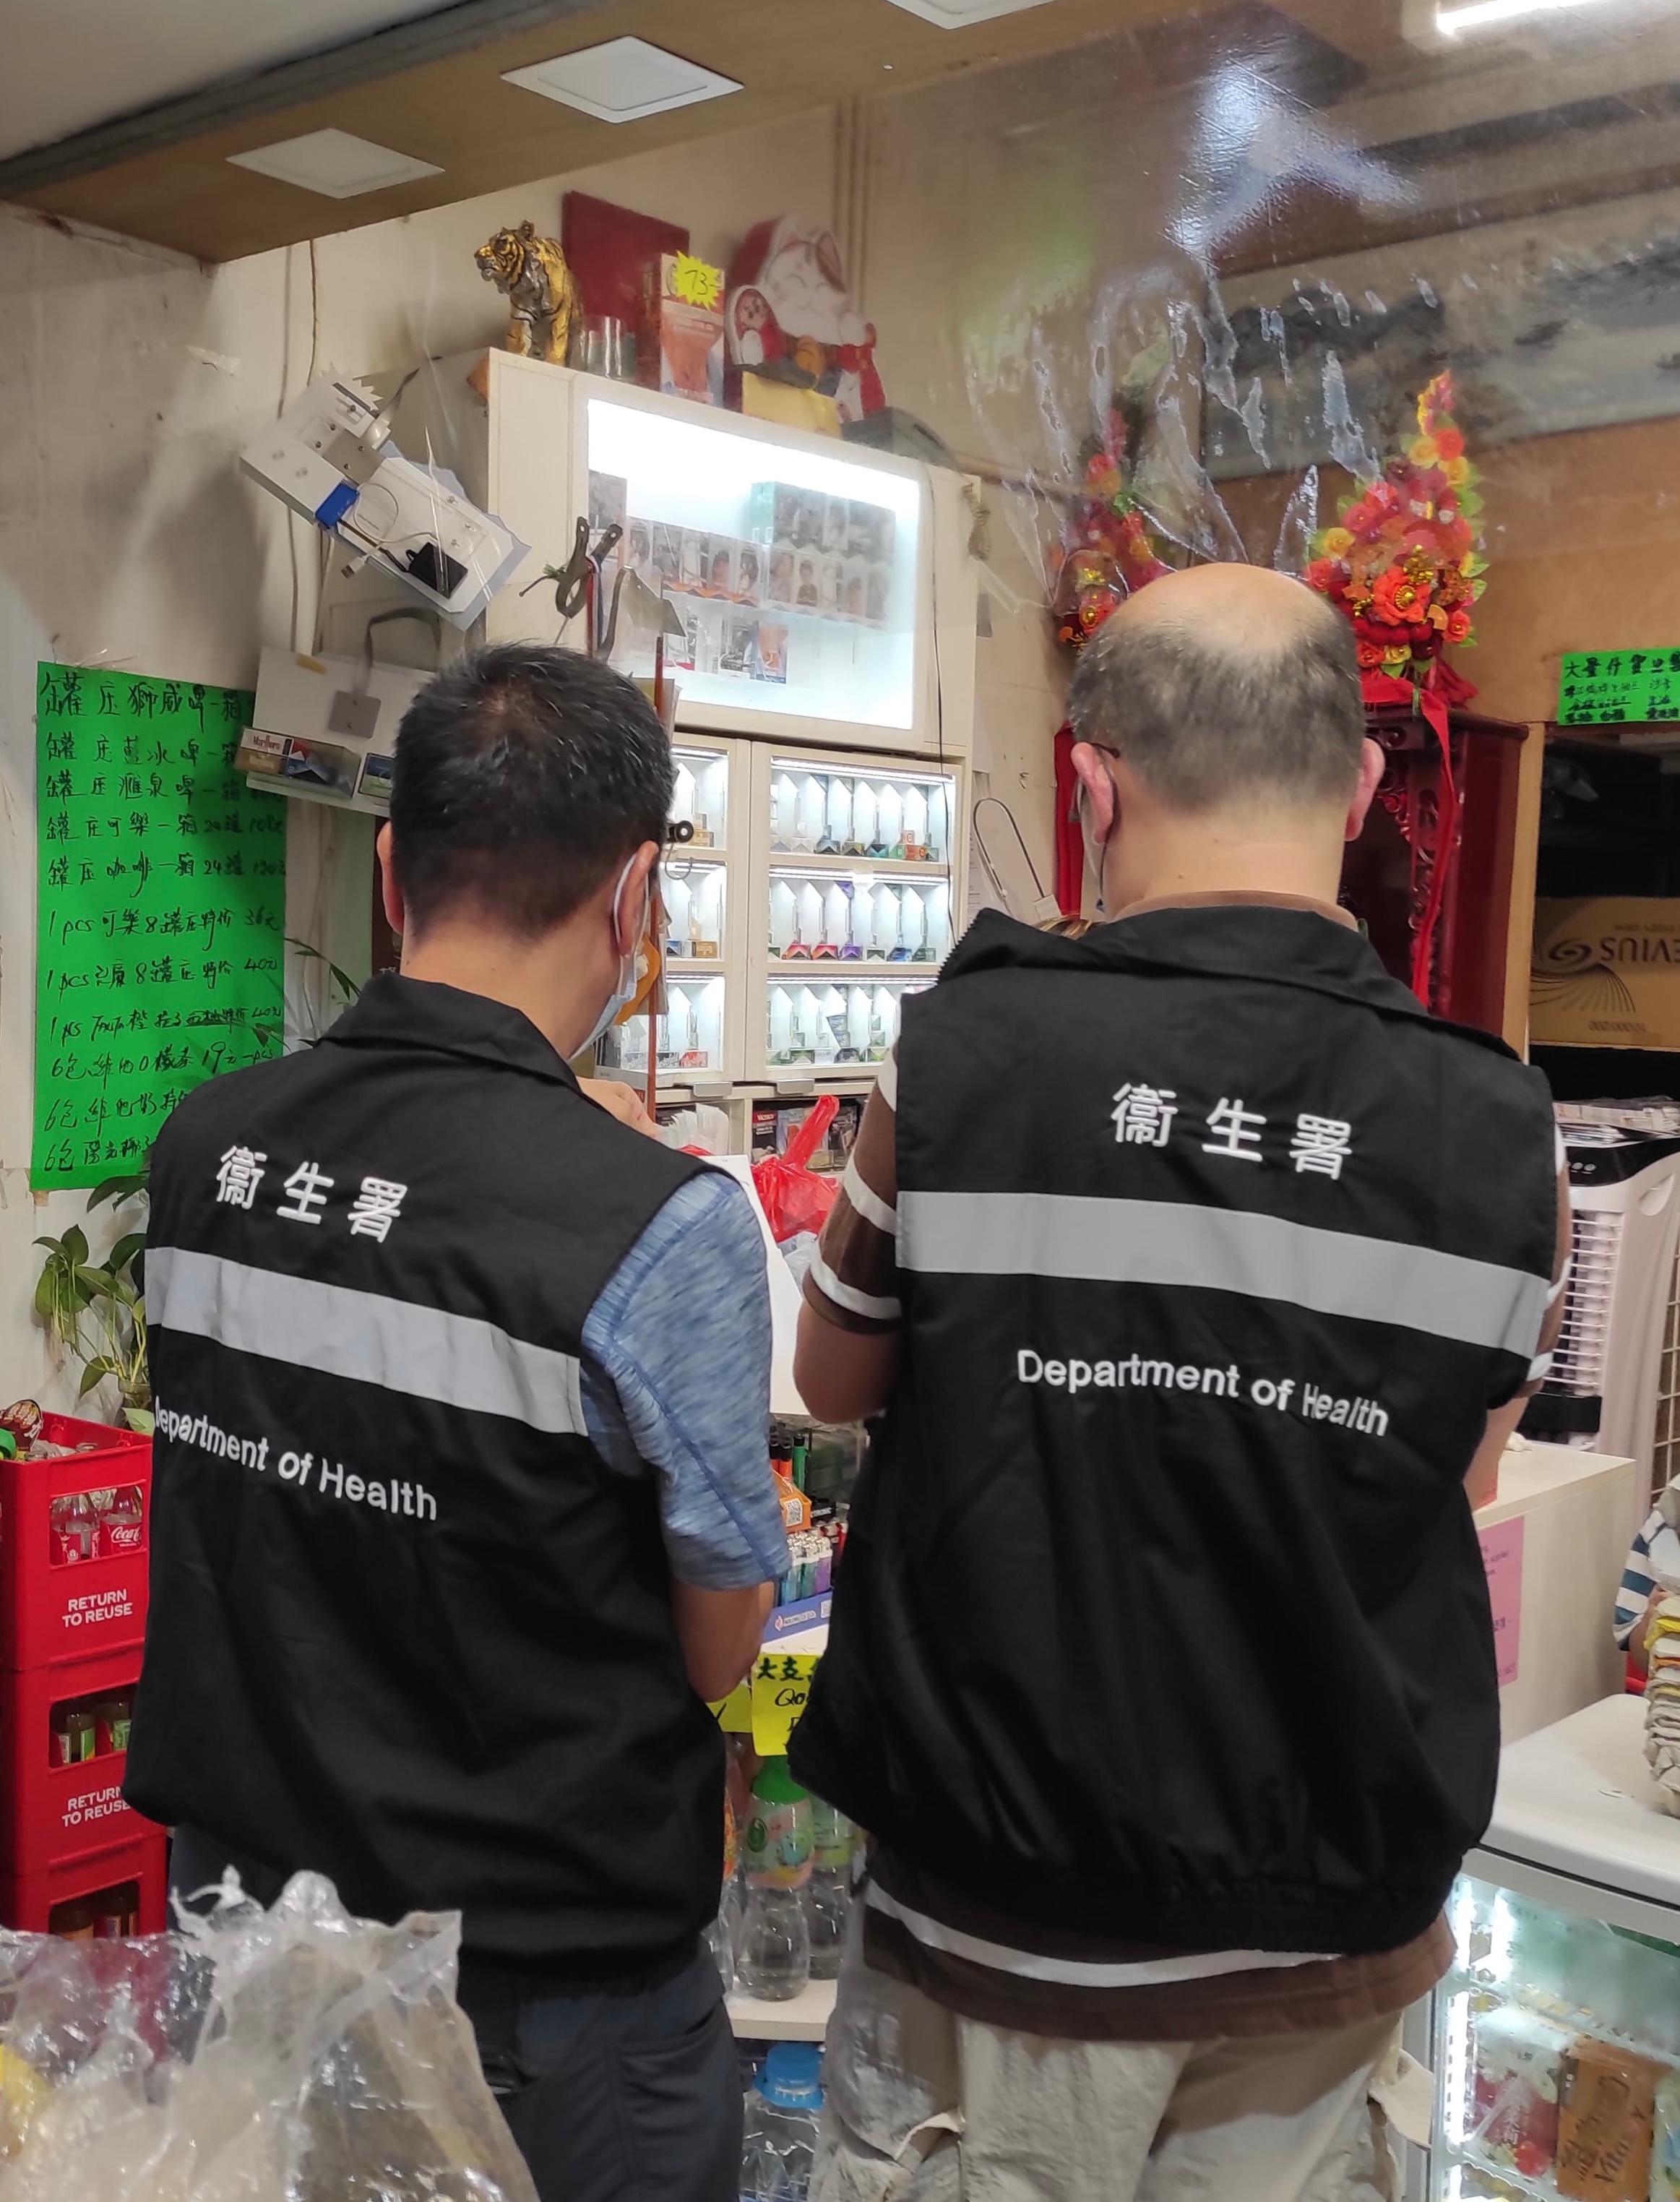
[788, 406]
[1606, 973]
[685, 337]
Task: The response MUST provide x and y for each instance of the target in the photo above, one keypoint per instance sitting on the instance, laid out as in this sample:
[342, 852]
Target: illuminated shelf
[802, 863]
[832, 970]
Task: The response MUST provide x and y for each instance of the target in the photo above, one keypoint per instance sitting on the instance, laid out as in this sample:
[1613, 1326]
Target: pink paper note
[1502, 1558]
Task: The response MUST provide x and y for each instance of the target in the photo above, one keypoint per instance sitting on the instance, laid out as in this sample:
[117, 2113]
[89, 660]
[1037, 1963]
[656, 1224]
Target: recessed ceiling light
[623, 80]
[958, 14]
[335, 163]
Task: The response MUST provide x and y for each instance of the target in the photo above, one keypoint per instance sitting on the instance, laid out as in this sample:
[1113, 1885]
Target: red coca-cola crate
[28, 1901]
[51, 1615]
[54, 1815]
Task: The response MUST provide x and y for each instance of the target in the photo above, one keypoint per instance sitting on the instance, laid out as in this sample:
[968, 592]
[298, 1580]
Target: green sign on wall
[1613, 687]
[161, 901]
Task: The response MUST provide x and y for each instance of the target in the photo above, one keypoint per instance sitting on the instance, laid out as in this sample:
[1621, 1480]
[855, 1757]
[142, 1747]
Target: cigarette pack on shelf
[120, 1894]
[62, 1756]
[74, 1537]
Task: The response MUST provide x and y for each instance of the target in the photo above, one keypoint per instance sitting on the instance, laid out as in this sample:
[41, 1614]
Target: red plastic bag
[795, 1198]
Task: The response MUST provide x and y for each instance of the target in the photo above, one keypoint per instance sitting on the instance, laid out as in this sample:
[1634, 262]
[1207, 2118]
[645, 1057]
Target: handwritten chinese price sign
[1610, 687]
[162, 904]
[781, 1684]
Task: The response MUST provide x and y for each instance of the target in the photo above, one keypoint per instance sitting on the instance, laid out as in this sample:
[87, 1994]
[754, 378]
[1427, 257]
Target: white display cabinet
[856, 879]
[1555, 2039]
[823, 593]
[700, 1043]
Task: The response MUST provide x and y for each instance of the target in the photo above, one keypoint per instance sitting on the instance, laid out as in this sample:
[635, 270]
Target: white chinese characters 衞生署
[1321, 1144]
[1144, 1114]
[304, 1195]
[376, 1208]
[240, 1176]
[307, 1189]
[1237, 1132]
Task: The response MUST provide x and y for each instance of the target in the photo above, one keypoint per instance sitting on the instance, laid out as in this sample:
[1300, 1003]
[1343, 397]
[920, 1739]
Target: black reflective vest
[408, 1627]
[1163, 1615]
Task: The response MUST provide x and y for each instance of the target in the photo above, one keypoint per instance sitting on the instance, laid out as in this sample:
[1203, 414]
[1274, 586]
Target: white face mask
[1094, 852]
[625, 989]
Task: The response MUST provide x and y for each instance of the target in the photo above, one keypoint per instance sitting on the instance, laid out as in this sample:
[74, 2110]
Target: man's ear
[628, 919]
[1373, 762]
[1098, 782]
[390, 894]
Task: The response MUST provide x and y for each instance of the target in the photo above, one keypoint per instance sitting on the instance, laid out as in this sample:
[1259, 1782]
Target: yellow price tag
[781, 1684]
[734, 1714]
[696, 282]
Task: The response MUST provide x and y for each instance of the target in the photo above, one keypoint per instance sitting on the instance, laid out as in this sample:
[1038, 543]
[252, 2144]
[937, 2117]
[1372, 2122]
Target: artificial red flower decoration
[1106, 552]
[1401, 560]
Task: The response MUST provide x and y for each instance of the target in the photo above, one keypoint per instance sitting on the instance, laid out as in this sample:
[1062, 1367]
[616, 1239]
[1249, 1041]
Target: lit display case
[815, 591]
[793, 573]
[699, 1041]
[1555, 2039]
[856, 879]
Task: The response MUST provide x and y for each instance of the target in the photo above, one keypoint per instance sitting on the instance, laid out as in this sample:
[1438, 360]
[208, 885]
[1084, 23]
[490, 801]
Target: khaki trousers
[926, 2107]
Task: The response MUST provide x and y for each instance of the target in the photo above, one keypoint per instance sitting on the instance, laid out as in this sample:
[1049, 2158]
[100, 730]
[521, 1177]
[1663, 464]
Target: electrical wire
[279, 414]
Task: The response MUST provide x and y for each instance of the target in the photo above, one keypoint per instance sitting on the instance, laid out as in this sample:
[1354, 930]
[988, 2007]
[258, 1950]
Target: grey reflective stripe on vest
[457, 1360]
[1163, 1242]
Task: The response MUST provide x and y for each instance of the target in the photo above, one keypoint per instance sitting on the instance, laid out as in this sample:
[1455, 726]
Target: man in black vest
[463, 1501]
[1198, 1272]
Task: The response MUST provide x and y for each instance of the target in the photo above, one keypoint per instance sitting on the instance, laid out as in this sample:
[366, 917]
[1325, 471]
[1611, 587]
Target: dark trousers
[627, 2094]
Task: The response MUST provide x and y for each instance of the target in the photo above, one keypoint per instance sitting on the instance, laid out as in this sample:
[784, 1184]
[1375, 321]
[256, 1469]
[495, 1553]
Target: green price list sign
[161, 901]
[1619, 687]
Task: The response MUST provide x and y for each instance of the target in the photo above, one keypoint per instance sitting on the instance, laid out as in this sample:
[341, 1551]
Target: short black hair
[1206, 718]
[524, 776]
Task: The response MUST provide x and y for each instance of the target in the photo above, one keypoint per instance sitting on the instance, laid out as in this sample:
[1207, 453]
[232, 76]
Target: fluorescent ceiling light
[1478, 15]
[958, 14]
[622, 81]
[335, 163]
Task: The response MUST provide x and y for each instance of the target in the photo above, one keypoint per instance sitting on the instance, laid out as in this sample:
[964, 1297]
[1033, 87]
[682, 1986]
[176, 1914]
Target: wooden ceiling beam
[454, 110]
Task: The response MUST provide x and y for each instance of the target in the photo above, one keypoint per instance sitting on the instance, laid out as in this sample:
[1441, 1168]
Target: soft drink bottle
[772, 1955]
[75, 1529]
[829, 1899]
[783, 2109]
[122, 1520]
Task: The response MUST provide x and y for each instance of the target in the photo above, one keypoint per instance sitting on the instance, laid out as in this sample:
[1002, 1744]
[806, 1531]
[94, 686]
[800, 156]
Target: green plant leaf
[123, 1251]
[348, 987]
[141, 1420]
[94, 1373]
[74, 1243]
[119, 1189]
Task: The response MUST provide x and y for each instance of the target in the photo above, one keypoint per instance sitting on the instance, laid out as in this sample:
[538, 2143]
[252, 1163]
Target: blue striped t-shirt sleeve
[1638, 1583]
[680, 1336]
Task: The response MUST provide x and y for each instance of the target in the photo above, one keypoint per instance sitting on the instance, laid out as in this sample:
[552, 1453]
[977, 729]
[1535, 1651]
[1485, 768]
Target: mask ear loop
[1100, 903]
[1094, 866]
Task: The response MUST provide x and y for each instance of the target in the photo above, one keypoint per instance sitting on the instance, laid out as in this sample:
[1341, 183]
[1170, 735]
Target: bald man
[1200, 1275]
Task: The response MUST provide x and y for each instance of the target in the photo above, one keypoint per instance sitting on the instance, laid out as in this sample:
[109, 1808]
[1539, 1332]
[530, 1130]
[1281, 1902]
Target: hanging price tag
[781, 1684]
[734, 1714]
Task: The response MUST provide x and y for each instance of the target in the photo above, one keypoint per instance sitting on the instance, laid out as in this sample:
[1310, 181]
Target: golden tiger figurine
[541, 292]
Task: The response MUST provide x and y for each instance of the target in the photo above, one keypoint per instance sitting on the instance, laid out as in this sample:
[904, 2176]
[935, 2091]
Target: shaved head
[1226, 685]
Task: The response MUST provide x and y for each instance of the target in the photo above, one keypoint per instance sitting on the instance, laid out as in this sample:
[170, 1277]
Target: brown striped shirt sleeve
[853, 1279]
